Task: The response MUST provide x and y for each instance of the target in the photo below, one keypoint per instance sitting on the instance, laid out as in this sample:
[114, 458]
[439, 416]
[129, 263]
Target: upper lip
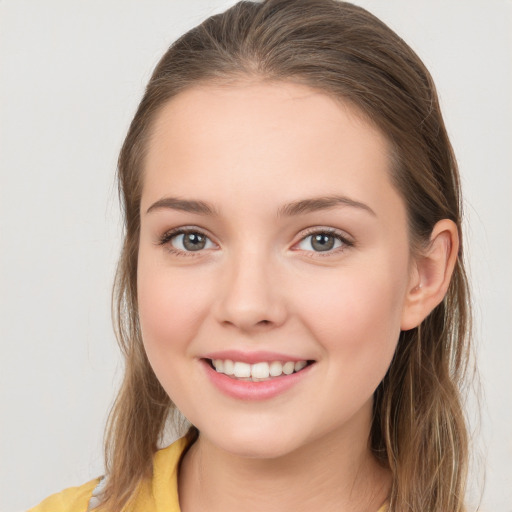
[252, 357]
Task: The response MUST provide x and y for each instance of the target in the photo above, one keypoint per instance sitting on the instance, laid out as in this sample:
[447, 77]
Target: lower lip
[248, 390]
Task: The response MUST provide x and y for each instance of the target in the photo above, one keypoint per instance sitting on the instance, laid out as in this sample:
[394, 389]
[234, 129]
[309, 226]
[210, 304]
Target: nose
[251, 295]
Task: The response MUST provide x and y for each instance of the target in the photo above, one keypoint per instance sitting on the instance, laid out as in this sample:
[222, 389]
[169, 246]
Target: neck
[331, 473]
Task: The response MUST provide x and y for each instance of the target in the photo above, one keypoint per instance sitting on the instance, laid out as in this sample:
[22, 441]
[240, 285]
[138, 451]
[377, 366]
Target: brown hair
[419, 429]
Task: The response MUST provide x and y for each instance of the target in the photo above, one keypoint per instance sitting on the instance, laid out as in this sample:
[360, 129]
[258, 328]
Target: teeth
[229, 367]
[288, 367]
[242, 369]
[299, 365]
[219, 365]
[276, 368]
[260, 370]
[257, 371]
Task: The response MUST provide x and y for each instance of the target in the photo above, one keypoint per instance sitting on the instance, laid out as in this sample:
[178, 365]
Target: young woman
[291, 279]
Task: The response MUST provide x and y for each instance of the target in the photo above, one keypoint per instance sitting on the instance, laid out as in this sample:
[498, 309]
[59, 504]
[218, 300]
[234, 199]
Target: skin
[248, 149]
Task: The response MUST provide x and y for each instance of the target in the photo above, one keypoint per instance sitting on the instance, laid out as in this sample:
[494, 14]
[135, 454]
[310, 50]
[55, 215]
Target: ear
[432, 273]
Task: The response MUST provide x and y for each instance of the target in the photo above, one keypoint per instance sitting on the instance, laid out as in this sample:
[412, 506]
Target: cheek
[355, 317]
[171, 307]
[171, 310]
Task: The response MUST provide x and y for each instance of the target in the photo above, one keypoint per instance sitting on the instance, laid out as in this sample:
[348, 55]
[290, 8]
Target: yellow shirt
[158, 495]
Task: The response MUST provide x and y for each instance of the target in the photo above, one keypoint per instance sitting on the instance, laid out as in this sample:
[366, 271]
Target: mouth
[257, 372]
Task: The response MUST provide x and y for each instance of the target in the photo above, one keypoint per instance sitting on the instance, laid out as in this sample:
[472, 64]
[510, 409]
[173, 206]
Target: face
[272, 241]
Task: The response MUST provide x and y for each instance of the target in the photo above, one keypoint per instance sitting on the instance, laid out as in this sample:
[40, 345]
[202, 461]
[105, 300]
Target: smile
[257, 378]
[257, 372]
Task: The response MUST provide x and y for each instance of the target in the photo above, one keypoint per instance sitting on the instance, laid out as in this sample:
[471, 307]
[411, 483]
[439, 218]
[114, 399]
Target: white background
[71, 75]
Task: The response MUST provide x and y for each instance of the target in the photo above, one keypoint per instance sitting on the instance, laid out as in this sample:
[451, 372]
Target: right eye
[183, 241]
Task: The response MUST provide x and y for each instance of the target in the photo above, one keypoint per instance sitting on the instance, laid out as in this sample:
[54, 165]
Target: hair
[419, 430]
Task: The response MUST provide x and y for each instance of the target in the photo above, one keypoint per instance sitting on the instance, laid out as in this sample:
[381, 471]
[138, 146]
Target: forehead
[208, 109]
[274, 139]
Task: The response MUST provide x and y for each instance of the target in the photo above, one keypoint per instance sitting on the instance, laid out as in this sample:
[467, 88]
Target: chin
[261, 450]
[254, 443]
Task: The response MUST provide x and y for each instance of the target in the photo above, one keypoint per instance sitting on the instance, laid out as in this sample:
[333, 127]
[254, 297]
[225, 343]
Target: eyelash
[339, 235]
[169, 235]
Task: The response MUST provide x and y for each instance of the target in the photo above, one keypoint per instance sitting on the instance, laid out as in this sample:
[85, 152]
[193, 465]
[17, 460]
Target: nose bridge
[251, 292]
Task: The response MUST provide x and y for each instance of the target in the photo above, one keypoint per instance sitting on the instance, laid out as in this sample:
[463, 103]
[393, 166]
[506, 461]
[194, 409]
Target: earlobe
[433, 271]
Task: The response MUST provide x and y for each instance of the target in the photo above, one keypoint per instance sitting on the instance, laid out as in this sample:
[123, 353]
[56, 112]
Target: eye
[186, 241]
[325, 240]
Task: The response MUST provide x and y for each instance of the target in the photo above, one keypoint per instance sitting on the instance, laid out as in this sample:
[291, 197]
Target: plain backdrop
[71, 75]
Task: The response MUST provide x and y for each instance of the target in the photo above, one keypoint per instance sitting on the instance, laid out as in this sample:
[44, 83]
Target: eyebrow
[184, 205]
[300, 207]
[320, 203]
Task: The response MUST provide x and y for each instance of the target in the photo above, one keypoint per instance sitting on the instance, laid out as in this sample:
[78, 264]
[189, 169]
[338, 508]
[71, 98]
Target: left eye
[321, 242]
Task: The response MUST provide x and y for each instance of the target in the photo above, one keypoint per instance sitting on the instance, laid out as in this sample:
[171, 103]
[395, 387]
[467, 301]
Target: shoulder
[169, 457]
[73, 499]
[161, 489]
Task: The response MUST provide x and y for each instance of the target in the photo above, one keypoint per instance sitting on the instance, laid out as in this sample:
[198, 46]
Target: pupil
[323, 242]
[193, 241]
